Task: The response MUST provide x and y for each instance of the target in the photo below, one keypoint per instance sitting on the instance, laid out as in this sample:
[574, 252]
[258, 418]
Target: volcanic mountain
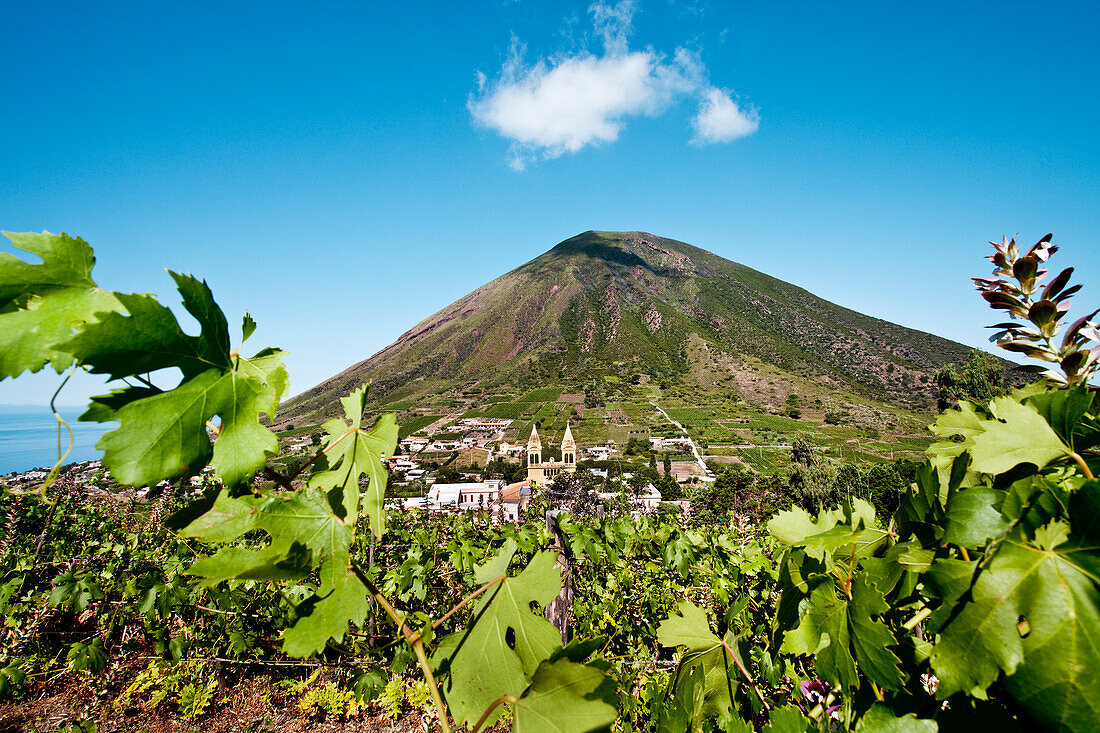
[634, 305]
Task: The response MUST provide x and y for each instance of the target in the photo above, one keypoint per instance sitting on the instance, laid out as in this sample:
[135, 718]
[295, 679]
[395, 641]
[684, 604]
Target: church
[539, 471]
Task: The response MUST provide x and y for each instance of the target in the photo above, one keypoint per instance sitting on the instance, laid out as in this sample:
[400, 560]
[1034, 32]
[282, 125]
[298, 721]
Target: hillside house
[492, 496]
[485, 423]
[599, 452]
[413, 445]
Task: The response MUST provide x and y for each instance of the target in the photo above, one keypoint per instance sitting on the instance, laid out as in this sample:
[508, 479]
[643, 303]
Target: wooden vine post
[560, 608]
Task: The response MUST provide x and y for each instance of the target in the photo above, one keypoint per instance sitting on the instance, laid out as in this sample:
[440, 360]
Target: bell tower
[534, 448]
[568, 447]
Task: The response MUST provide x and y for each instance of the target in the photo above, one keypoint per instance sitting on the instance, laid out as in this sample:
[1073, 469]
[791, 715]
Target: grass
[765, 461]
[512, 410]
[542, 394]
[411, 425]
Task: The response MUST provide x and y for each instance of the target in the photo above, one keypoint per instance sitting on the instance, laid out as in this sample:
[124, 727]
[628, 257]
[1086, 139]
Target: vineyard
[976, 604]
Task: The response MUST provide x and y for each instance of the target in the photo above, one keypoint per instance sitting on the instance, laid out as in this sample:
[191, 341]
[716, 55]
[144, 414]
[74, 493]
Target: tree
[574, 493]
[667, 464]
[802, 452]
[980, 379]
[669, 488]
[509, 471]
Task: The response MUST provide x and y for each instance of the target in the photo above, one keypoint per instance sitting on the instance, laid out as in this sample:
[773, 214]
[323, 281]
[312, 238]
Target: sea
[28, 437]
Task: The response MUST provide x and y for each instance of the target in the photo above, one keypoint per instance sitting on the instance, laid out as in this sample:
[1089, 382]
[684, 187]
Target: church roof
[534, 441]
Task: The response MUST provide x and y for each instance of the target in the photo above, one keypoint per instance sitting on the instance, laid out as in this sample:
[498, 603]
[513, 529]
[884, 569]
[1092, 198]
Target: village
[416, 466]
[507, 500]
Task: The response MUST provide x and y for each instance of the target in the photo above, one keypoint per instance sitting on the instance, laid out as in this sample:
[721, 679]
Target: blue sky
[344, 170]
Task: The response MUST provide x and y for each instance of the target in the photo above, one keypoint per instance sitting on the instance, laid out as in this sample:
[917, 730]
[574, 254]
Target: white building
[413, 445]
[492, 496]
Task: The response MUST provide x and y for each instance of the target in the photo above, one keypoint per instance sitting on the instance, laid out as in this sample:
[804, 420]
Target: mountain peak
[618, 305]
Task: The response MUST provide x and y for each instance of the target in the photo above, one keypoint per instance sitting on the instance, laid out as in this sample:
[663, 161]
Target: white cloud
[721, 120]
[614, 23]
[562, 104]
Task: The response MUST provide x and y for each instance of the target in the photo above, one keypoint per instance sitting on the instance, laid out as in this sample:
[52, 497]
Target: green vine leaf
[964, 422]
[326, 615]
[705, 652]
[359, 452]
[787, 720]
[42, 305]
[148, 337]
[974, 517]
[839, 631]
[689, 628]
[836, 532]
[498, 653]
[566, 697]
[1018, 434]
[1054, 663]
[164, 434]
[1063, 409]
[881, 719]
[793, 526]
[312, 527]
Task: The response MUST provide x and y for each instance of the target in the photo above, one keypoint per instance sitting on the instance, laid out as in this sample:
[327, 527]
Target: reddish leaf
[1057, 283]
[1072, 331]
[1067, 293]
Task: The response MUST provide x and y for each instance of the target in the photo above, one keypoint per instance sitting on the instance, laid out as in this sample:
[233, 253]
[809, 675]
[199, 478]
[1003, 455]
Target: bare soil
[252, 705]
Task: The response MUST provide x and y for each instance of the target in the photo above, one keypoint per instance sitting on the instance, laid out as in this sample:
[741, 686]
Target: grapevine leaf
[326, 615]
[566, 697]
[899, 559]
[704, 650]
[1018, 435]
[881, 719]
[149, 338]
[248, 327]
[302, 518]
[497, 565]
[1063, 409]
[850, 528]
[793, 526]
[690, 628]
[1060, 673]
[964, 422]
[737, 725]
[41, 305]
[872, 639]
[304, 532]
[831, 627]
[1053, 667]
[823, 633]
[311, 527]
[498, 653]
[360, 452]
[165, 434]
[786, 720]
[973, 516]
[683, 708]
[951, 578]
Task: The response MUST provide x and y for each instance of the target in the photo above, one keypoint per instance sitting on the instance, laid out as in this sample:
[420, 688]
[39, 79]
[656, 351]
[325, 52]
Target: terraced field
[719, 424]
